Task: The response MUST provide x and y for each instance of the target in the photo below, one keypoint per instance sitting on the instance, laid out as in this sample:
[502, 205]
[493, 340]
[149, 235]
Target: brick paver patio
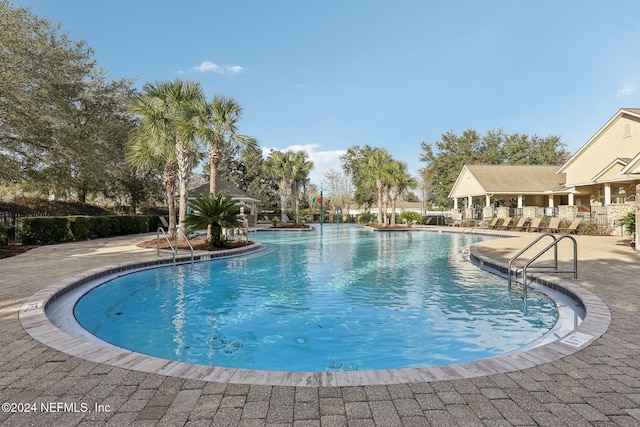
[598, 385]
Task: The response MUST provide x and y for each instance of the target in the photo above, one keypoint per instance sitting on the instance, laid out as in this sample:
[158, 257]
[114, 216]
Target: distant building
[228, 189]
[597, 183]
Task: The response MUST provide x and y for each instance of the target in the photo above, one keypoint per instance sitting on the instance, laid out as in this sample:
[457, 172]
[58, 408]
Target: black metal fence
[11, 221]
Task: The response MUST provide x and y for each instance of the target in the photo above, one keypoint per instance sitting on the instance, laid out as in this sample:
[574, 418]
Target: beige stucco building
[597, 183]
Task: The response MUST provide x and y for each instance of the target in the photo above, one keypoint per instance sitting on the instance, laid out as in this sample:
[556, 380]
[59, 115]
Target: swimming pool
[343, 299]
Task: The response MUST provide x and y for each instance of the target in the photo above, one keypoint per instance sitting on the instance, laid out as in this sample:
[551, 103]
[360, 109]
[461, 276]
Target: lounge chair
[535, 224]
[572, 228]
[553, 226]
[493, 223]
[505, 223]
[519, 226]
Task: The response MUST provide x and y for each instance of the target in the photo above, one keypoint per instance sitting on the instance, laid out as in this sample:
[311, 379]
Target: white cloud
[627, 90]
[323, 161]
[212, 67]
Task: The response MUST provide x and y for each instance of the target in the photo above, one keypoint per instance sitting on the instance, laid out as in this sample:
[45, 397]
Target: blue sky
[327, 75]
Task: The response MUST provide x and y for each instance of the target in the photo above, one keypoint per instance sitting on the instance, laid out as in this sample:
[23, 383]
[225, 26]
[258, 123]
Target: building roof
[516, 179]
[224, 187]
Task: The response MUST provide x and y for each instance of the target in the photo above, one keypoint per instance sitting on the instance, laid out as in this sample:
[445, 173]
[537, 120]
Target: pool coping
[35, 322]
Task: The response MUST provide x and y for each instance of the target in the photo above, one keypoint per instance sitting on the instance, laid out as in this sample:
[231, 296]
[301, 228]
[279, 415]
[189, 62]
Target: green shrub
[367, 218]
[629, 222]
[80, 227]
[45, 230]
[410, 217]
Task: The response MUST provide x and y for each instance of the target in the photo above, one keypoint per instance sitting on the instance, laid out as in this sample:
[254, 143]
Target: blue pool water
[343, 299]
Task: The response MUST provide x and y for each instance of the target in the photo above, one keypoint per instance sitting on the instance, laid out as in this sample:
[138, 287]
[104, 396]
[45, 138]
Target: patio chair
[535, 224]
[505, 223]
[519, 226]
[553, 226]
[572, 228]
[493, 223]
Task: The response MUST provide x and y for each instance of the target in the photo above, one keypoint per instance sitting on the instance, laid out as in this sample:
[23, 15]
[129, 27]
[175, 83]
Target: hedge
[57, 229]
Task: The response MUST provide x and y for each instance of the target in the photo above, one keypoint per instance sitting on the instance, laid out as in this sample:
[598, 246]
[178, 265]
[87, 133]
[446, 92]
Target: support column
[637, 217]
[570, 199]
[469, 202]
[607, 194]
[455, 203]
[550, 200]
[487, 201]
[520, 201]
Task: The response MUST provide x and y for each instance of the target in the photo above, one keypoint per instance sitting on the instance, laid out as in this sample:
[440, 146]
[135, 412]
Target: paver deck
[598, 385]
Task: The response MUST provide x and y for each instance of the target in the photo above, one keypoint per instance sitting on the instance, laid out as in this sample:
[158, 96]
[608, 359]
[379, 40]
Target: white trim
[629, 167]
[609, 166]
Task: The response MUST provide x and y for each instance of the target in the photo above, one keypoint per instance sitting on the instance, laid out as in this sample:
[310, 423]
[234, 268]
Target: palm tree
[300, 167]
[213, 212]
[219, 130]
[175, 117]
[151, 147]
[374, 175]
[398, 180]
[279, 167]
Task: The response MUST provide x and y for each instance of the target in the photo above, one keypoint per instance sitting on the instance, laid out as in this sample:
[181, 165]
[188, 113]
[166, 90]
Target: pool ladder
[174, 249]
[554, 266]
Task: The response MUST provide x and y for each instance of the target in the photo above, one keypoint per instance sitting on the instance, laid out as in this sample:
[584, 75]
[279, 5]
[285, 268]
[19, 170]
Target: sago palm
[215, 212]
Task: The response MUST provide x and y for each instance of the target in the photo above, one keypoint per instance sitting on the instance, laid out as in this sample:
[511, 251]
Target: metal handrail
[173, 250]
[553, 244]
[180, 231]
[526, 248]
[471, 225]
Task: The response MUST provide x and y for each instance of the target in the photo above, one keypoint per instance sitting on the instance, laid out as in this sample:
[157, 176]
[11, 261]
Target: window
[627, 130]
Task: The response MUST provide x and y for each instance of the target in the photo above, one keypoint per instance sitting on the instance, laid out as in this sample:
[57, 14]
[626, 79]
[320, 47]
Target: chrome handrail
[180, 231]
[555, 245]
[173, 250]
[526, 248]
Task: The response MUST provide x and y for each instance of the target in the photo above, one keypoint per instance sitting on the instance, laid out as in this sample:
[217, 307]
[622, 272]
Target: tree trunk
[213, 175]
[393, 211]
[170, 186]
[380, 204]
[182, 155]
[385, 202]
[283, 201]
[294, 202]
